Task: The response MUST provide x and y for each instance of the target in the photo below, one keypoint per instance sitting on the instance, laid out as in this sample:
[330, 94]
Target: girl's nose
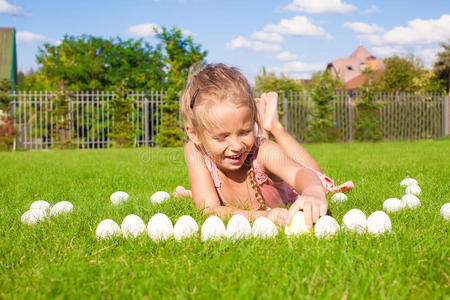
[235, 144]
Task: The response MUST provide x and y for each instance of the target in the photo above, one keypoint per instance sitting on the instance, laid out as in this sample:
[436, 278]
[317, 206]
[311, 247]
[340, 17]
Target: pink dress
[274, 193]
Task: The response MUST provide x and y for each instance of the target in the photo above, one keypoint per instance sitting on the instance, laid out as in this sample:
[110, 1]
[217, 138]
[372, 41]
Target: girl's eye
[219, 138]
[246, 132]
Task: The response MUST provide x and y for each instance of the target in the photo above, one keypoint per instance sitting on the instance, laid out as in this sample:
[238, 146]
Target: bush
[320, 126]
[121, 134]
[171, 133]
[367, 123]
[7, 130]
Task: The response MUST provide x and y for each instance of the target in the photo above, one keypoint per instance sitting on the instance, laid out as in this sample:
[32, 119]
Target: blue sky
[294, 37]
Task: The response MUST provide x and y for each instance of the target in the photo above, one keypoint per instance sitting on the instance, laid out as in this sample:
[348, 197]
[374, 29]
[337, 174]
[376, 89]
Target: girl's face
[231, 138]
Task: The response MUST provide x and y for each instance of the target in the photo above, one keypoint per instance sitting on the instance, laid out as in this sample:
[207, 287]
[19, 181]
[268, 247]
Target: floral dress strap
[260, 176]
[212, 168]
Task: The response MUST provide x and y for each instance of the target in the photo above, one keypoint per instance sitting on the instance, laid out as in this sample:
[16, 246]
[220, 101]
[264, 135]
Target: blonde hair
[211, 85]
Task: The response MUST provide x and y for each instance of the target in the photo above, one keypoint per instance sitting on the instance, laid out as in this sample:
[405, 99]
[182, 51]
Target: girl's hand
[313, 208]
[278, 215]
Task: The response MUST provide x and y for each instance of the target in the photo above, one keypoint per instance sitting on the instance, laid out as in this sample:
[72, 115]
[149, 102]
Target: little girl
[233, 169]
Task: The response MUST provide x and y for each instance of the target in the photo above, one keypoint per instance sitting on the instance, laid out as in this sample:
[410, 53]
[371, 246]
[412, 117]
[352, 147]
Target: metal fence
[87, 120]
[403, 116]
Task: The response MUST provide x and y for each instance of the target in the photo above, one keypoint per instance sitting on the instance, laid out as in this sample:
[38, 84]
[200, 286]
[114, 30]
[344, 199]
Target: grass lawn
[62, 258]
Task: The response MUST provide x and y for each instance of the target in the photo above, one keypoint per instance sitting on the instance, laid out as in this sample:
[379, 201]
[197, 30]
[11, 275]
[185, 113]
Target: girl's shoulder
[265, 151]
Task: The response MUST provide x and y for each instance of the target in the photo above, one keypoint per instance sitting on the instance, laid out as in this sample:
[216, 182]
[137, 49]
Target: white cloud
[11, 9]
[385, 51]
[286, 55]
[24, 37]
[186, 32]
[364, 28]
[267, 37]
[144, 30]
[372, 9]
[420, 31]
[299, 26]
[241, 42]
[428, 55]
[297, 67]
[320, 6]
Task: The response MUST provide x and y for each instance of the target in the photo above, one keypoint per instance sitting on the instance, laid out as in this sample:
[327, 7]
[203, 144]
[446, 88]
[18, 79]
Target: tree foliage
[442, 65]
[267, 82]
[367, 124]
[321, 87]
[122, 128]
[399, 74]
[180, 53]
[93, 63]
[7, 130]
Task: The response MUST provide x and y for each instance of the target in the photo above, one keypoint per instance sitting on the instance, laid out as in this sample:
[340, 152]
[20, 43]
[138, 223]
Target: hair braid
[258, 197]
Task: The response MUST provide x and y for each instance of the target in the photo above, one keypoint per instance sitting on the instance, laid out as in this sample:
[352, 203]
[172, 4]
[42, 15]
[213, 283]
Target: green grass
[63, 259]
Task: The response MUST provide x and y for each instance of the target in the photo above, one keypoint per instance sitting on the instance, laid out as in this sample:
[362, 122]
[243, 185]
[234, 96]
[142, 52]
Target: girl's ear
[192, 134]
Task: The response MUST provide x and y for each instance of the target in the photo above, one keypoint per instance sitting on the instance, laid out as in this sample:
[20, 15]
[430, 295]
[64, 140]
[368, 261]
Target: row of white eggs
[40, 211]
[120, 197]
[160, 226]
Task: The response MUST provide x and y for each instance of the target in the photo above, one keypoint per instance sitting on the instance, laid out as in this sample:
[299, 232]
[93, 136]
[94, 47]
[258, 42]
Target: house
[350, 69]
[8, 55]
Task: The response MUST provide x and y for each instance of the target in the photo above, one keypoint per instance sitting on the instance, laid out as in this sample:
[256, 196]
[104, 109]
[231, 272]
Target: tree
[93, 63]
[267, 82]
[321, 87]
[367, 124]
[442, 65]
[180, 53]
[399, 74]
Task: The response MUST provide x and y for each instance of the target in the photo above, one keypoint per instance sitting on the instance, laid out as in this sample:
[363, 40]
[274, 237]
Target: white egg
[159, 197]
[410, 201]
[119, 197]
[41, 204]
[185, 227]
[33, 216]
[62, 207]
[297, 225]
[213, 229]
[393, 205]
[378, 222]
[408, 181]
[160, 227]
[107, 229]
[132, 226]
[264, 228]
[445, 211]
[413, 189]
[238, 227]
[326, 226]
[355, 220]
[339, 197]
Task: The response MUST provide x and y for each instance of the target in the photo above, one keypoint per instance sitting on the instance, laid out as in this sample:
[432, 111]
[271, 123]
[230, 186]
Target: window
[350, 68]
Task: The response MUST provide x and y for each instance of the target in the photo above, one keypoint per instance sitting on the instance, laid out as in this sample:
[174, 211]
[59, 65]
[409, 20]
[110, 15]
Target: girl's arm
[203, 190]
[312, 198]
[268, 110]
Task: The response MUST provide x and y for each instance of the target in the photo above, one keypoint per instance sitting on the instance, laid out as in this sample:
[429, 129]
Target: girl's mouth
[234, 158]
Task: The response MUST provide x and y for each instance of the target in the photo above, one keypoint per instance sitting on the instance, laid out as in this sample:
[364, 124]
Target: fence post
[350, 118]
[446, 116]
[285, 109]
